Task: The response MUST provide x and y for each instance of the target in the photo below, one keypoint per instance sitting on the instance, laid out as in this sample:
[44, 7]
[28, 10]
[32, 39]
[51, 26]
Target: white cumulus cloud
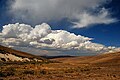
[17, 30]
[41, 37]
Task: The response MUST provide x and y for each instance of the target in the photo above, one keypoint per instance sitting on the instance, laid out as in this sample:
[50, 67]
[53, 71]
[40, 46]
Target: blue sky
[106, 34]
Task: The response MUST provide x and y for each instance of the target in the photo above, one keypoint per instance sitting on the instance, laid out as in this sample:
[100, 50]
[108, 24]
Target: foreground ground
[102, 67]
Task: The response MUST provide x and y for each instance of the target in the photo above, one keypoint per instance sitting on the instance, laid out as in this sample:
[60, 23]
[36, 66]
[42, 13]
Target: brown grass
[100, 67]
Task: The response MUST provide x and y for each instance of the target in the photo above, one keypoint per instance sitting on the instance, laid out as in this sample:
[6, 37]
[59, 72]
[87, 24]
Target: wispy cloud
[37, 11]
[85, 19]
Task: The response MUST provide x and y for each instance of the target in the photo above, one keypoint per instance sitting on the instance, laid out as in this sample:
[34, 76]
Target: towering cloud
[24, 37]
[81, 11]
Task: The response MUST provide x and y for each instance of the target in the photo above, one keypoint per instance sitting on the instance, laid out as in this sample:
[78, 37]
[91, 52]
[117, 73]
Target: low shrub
[32, 72]
[6, 73]
[43, 72]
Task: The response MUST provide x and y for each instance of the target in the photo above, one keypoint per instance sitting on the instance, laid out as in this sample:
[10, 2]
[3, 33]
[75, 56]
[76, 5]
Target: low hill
[7, 54]
[103, 58]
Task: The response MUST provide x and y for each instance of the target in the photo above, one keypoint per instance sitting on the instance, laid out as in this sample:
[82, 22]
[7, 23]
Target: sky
[95, 25]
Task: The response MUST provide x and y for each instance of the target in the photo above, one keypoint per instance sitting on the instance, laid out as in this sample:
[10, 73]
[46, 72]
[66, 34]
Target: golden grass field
[101, 67]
